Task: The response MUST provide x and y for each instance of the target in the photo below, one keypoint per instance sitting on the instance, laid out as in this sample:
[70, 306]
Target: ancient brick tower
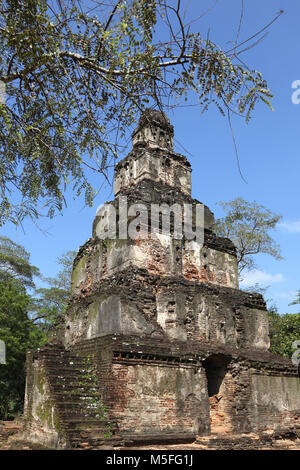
[158, 343]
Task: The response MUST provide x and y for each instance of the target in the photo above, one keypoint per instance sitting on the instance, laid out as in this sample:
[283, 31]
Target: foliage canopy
[15, 264]
[49, 303]
[19, 334]
[284, 330]
[248, 225]
[75, 74]
[25, 319]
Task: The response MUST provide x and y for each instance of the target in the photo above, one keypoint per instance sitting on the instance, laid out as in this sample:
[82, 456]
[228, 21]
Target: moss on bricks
[80, 266]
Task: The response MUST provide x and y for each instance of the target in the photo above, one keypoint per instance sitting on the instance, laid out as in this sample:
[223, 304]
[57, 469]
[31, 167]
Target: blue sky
[268, 150]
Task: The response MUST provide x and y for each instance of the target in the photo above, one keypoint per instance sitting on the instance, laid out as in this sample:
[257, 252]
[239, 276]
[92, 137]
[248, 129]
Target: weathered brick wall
[156, 394]
[135, 302]
[164, 390]
[151, 399]
[155, 388]
[274, 400]
[159, 165]
[161, 256]
[42, 423]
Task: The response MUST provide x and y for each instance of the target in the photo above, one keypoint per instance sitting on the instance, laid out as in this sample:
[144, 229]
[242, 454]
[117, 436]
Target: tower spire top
[153, 130]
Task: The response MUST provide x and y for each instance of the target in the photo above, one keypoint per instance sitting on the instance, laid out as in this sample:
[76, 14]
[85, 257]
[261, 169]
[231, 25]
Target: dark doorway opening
[216, 368]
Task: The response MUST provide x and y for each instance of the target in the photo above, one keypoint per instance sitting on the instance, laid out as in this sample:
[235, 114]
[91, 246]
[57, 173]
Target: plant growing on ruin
[74, 75]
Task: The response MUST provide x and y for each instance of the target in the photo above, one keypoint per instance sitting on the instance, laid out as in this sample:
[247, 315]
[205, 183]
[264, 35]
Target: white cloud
[290, 226]
[290, 295]
[260, 277]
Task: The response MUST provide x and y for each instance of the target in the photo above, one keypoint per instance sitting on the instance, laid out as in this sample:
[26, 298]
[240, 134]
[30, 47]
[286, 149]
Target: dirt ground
[221, 440]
